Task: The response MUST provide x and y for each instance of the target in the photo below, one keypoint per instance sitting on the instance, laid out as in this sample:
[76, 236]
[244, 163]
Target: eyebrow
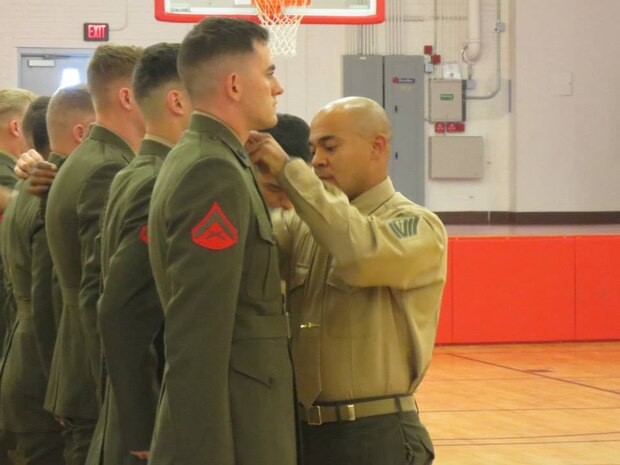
[323, 140]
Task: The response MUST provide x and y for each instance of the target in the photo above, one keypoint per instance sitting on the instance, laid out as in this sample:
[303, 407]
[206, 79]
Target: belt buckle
[347, 412]
[314, 416]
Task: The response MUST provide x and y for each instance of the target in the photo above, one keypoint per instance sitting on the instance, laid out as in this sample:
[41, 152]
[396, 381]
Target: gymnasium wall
[543, 152]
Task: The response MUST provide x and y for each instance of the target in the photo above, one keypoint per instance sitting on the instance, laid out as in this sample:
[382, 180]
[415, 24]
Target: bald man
[365, 269]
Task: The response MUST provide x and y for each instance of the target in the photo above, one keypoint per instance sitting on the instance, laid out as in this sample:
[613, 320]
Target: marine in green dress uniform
[69, 116]
[74, 208]
[227, 394]
[130, 313]
[23, 378]
[13, 105]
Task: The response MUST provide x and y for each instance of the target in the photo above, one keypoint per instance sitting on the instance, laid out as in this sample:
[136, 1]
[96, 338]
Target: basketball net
[282, 26]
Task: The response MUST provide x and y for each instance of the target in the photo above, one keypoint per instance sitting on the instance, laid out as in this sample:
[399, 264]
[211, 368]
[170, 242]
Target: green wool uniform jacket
[72, 218]
[24, 369]
[130, 314]
[227, 394]
[7, 179]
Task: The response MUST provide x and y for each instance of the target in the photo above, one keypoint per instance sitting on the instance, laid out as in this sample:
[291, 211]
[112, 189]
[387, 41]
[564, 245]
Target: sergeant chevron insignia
[404, 227]
[215, 231]
[144, 234]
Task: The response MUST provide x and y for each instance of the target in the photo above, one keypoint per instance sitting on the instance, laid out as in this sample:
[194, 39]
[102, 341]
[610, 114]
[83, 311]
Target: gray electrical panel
[363, 76]
[397, 83]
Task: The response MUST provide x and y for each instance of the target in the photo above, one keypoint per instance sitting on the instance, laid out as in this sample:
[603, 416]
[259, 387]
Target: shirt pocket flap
[299, 276]
[245, 360]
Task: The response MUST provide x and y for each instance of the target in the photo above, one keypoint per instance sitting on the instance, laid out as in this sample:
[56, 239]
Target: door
[45, 70]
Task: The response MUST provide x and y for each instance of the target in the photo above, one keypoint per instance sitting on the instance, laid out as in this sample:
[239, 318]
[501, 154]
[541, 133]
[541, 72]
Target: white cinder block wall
[549, 153]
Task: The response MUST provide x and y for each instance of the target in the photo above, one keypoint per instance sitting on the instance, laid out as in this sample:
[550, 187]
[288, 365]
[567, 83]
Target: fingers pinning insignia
[144, 234]
[404, 227]
[215, 231]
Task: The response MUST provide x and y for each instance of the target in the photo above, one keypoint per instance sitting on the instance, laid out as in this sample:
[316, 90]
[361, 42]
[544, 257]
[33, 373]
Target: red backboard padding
[598, 287]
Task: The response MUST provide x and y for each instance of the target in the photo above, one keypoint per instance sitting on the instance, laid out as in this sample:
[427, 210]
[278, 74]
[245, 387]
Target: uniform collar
[154, 147]
[102, 134]
[373, 198]
[160, 140]
[55, 157]
[7, 159]
[202, 122]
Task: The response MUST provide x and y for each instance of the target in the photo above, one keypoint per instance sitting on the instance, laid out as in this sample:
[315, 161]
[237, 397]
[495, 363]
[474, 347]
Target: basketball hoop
[282, 26]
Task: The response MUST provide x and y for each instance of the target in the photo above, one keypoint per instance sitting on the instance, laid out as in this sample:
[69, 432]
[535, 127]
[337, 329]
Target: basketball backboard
[319, 12]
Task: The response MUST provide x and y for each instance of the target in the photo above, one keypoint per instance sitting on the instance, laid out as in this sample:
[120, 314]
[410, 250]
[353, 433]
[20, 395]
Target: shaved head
[350, 141]
[69, 107]
[366, 116]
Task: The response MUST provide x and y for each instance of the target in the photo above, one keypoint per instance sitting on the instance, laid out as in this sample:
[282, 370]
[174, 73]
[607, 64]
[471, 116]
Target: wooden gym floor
[524, 404]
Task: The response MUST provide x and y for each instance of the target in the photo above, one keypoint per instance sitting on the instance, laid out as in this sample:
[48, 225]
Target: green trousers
[7, 443]
[77, 436]
[394, 439]
[41, 448]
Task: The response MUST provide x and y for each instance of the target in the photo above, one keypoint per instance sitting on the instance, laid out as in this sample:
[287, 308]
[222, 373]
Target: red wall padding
[526, 289]
[598, 287]
[444, 331]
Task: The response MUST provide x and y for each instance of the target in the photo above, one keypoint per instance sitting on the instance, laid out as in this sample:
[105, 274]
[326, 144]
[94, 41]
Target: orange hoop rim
[276, 7]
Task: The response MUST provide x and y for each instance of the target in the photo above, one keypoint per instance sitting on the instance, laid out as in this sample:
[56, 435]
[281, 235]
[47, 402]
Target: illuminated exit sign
[96, 32]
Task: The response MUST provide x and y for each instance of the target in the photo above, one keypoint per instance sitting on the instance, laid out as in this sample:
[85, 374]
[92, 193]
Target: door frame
[49, 53]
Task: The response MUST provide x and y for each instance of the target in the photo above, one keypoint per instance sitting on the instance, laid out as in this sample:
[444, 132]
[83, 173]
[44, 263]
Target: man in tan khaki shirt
[365, 269]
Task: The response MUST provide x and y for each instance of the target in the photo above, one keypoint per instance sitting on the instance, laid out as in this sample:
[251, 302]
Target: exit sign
[96, 32]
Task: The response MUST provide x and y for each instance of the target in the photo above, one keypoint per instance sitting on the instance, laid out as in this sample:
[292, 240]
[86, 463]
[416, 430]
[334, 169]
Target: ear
[175, 102]
[78, 131]
[15, 128]
[379, 146]
[234, 86]
[125, 97]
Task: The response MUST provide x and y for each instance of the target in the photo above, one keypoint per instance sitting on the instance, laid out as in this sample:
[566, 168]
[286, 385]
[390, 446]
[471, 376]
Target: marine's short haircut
[292, 133]
[71, 99]
[15, 101]
[68, 105]
[212, 38]
[157, 67]
[109, 63]
[35, 125]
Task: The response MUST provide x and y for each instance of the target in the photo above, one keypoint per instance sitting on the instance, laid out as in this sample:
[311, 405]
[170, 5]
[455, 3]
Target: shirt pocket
[263, 279]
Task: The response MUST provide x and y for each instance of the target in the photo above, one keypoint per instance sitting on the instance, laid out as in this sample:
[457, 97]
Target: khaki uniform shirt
[365, 280]
[130, 314]
[74, 207]
[227, 395]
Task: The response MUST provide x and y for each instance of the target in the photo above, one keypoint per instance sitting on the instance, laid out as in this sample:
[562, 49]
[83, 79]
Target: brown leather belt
[319, 414]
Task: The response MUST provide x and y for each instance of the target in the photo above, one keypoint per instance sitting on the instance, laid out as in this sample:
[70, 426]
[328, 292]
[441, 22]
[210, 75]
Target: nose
[318, 159]
[277, 88]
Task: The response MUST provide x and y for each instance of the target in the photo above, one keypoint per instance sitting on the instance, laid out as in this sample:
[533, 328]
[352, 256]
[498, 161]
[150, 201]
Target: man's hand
[141, 454]
[26, 162]
[266, 153]
[41, 177]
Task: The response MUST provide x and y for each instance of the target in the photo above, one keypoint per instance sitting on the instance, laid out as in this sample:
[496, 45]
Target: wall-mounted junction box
[456, 157]
[447, 100]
